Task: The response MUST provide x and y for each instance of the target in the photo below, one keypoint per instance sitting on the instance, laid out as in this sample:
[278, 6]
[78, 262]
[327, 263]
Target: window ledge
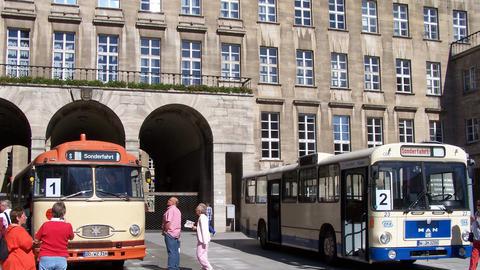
[65, 5]
[337, 30]
[108, 8]
[373, 91]
[270, 160]
[304, 26]
[271, 84]
[402, 37]
[191, 15]
[433, 95]
[341, 88]
[305, 86]
[272, 23]
[150, 12]
[432, 40]
[405, 94]
[371, 33]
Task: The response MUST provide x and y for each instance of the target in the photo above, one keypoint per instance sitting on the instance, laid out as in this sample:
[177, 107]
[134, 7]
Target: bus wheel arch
[327, 244]
[262, 233]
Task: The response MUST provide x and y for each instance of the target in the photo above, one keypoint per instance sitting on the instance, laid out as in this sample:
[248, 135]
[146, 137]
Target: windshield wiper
[118, 195]
[414, 203]
[75, 194]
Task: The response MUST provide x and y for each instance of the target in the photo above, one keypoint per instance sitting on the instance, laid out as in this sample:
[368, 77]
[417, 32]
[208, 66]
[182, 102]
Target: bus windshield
[62, 181]
[120, 182]
[419, 186]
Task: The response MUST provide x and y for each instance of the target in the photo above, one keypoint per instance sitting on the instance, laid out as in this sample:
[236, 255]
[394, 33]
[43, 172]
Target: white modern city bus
[396, 202]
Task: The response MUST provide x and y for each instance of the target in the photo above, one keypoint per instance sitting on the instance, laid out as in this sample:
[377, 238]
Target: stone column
[38, 146]
[133, 146]
[219, 188]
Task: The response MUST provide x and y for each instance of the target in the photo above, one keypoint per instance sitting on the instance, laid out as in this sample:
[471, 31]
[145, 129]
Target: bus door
[273, 211]
[354, 213]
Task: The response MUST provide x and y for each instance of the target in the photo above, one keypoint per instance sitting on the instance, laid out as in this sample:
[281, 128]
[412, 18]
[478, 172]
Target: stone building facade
[326, 76]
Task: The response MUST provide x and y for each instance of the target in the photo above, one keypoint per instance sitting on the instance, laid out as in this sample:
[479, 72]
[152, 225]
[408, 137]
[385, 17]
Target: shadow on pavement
[302, 259]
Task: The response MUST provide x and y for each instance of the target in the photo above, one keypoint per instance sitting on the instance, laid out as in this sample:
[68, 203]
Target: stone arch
[93, 118]
[14, 126]
[180, 142]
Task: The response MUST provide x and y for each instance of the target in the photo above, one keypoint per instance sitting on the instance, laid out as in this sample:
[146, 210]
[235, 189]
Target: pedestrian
[203, 236]
[53, 237]
[475, 229]
[211, 229]
[19, 242]
[5, 208]
[171, 226]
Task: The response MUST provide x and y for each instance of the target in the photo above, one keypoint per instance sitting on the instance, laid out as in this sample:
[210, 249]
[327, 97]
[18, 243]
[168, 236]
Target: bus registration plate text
[427, 243]
[95, 254]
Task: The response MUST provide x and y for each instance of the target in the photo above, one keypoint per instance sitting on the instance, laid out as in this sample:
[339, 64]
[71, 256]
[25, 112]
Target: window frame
[230, 10]
[368, 17]
[270, 139]
[110, 2]
[19, 69]
[373, 123]
[370, 75]
[342, 142]
[400, 21]
[403, 76]
[335, 23]
[402, 124]
[265, 64]
[336, 71]
[189, 9]
[229, 63]
[435, 131]
[456, 35]
[65, 2]
[110, 74]
[474, 125]
[267, 16]
[429, 24]
[151, 77]
[302, 70]
[64, 71]
[302, 18]
[305, 140]
[431, 80]
[150, 4]
[190, 78]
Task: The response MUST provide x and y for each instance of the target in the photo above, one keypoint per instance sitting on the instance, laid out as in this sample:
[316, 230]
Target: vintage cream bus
[102, 188]
[396, 202]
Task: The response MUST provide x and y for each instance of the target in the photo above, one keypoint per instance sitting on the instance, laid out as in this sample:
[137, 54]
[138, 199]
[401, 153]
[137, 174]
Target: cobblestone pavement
[234, 251]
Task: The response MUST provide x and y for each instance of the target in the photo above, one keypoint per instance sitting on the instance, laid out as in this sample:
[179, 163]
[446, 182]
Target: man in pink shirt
[171, 227]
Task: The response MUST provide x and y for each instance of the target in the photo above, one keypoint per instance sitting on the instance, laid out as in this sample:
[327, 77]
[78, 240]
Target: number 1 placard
[53, 187]
[384, 200]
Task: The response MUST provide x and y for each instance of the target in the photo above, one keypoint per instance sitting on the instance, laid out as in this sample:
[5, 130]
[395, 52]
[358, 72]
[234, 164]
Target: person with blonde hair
[203, 236]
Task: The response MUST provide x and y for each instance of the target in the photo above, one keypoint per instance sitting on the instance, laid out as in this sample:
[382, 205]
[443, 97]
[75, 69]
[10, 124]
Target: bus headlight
[385, 238]
[462, 252]
[135, 230]
[465, 236]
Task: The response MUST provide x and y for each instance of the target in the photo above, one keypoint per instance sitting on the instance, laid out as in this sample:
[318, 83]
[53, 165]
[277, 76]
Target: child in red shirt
[54, 236]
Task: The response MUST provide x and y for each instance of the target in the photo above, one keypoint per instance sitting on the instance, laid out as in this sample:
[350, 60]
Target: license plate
[95, 254]
[427, 243]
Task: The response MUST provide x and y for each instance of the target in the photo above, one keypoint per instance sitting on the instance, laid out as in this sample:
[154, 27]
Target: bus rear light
[372, 223]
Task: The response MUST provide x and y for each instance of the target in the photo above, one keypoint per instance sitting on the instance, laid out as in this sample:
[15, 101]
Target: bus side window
[261, 196]
[308, 185]
[250, 191]
[289, 187]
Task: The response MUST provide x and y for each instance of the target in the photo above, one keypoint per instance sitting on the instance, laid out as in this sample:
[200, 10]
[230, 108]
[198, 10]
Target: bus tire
[262, 236]
[118, 265]
[328, 247]
[406, 263]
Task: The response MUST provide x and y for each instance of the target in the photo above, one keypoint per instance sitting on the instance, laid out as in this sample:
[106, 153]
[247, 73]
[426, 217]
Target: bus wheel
[262, 236]
[118, 265]
[328, 247]
[407, 263]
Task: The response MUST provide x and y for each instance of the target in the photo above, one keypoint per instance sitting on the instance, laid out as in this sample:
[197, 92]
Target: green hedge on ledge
[120, 84]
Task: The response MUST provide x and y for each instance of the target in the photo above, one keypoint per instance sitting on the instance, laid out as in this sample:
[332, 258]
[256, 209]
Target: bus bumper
[419, 253]
[115, 253]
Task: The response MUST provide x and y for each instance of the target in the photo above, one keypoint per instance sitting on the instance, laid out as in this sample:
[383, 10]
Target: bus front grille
[95, 231]
[428, 253]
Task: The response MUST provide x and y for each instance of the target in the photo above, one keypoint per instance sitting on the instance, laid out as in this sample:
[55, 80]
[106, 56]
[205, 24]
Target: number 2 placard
[383, 201]
[53, 187]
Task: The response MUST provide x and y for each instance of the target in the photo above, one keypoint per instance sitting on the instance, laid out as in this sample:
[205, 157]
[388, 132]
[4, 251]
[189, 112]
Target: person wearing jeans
[171, 226]
[53, 237]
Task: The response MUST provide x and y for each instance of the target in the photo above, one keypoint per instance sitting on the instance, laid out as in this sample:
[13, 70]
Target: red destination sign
[407, 151]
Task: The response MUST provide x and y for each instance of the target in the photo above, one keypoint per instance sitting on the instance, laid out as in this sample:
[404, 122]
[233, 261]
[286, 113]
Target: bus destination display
[107, 156]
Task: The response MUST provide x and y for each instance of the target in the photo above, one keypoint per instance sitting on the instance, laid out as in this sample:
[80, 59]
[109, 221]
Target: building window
[191, 7]
[150, 5]
[341, 134]
[374, 132]
[304, 67]
[270, 135]
[436, 131]
[400, 20]
[369, 16]
[267, 10]
[405, 129]
[336, 13]
[150, 60]
[307, 142]
[472, 129]
[109, 3]
[268, 65]
[191, 62]
[404, 80]
[230, 61]
[339, 67]
[107, 58]
[434, 86]
[230, 9]
[63, 55]
[65, 2]
[303, 12]
[372, 73]
[469, 79]
[430, 23]
[18, 52]
[460, 29]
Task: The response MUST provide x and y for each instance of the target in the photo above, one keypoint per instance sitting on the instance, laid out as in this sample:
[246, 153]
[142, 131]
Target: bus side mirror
[471, 162]
[148, 177]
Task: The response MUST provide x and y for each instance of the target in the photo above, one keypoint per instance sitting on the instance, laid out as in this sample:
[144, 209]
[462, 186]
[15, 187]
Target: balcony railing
[465, 44]
[122, 79]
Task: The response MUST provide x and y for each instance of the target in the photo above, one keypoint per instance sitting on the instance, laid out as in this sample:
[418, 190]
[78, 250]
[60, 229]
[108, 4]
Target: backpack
[3, 243]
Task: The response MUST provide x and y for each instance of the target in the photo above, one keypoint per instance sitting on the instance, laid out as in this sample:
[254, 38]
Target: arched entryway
[93, 118]
[15, 141]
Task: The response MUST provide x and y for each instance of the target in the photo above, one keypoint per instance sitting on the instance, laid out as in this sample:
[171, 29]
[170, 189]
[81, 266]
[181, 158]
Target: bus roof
[86, 151]
[395, 151]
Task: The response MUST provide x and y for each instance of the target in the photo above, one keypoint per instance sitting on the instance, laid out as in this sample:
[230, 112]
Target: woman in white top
[203, 237]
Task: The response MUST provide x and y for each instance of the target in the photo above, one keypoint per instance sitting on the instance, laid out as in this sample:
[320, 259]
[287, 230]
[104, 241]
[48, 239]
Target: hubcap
[328, 246]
